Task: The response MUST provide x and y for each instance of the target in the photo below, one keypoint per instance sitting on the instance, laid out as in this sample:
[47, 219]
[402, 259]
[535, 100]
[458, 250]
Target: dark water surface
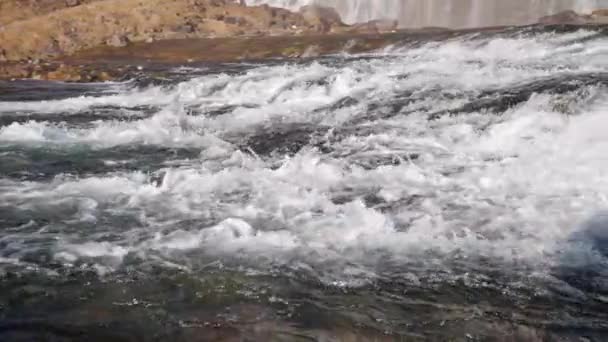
[453, 189]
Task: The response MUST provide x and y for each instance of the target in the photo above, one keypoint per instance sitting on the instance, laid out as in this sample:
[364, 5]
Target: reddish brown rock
[597, 17]
[600, 16]
[14, 70]
[16, 10]
[72, 3]
[55, 71]
[324, 19]
[117, 22]
[376, 26]
[603, 12]
[565, 17]
[118, 40]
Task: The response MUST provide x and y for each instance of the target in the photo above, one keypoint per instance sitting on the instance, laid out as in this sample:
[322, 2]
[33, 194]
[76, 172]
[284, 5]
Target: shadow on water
[584, 260]
[43, 163]
[29, 90]
[233, 306]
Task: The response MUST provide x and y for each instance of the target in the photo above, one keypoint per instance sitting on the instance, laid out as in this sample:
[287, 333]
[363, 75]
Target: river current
[449, 189]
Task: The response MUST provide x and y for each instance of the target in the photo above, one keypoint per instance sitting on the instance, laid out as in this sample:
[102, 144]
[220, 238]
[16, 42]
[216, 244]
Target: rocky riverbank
[97, 40]
[597, 17]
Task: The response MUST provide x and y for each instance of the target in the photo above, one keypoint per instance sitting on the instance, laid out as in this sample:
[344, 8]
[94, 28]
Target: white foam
[296, 93]
[521, 205]
[513, 186]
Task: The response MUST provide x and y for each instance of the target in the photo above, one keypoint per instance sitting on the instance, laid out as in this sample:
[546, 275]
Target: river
[449, 189]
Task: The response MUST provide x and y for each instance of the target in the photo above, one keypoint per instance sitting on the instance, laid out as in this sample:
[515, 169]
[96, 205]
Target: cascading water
[449, 189]
[444, 13]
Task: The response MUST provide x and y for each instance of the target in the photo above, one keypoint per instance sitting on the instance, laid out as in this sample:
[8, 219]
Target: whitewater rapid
[444, 13]
[449, 156]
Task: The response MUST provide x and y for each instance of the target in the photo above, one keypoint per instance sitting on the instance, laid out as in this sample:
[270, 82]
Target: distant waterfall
[446, 13]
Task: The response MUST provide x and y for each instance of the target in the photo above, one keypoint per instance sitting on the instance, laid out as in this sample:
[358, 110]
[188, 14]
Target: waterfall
[446, 13]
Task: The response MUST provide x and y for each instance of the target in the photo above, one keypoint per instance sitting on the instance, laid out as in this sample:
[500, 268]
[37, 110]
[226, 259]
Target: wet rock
[597, 17]
[72, 3]
[292, 51]
[600, 16]
[311, 51]
[69, 73]
[117, 41]
[323, 19]
[603, 12]
[15, 70]
[376, 26]
[565, 17]
[52, 71]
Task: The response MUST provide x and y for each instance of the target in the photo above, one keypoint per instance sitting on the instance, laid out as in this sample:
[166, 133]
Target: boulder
[14, 70]
[117, 40]
[376, 26]
[324, 19]
[565, 17]
[600, 16]
[603, 12]
[63, 73]
[72, 3]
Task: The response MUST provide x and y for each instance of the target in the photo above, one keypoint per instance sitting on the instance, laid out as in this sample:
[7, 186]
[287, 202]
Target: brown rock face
[597, 17]
[566, 17]
[600, 16]
[603, 12]
[72, 3]
[118, 41]
[16, 10]
[325, 18]
[88, 24]
[14, 70]
[376, 26]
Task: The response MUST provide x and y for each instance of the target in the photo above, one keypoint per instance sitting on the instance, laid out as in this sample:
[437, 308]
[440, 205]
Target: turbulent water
[442, 189]
[445, 13]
